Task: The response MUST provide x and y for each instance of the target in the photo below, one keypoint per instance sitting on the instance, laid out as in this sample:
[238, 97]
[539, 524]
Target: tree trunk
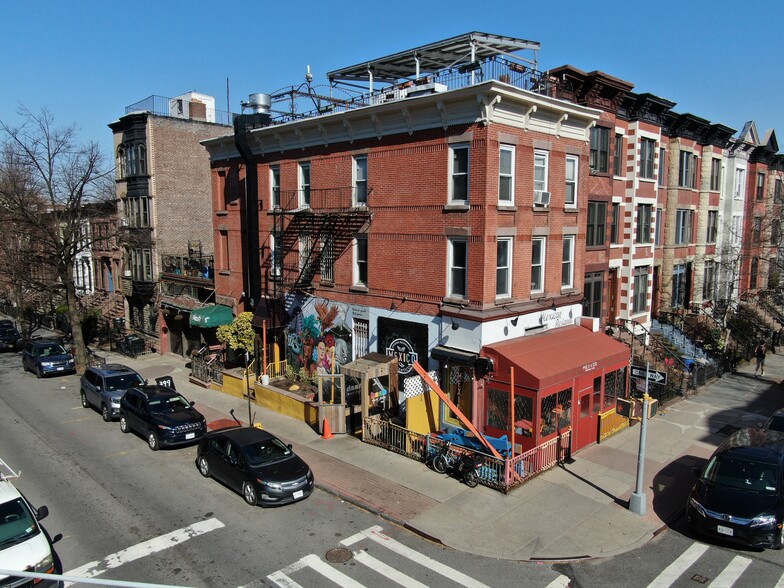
[80, 349]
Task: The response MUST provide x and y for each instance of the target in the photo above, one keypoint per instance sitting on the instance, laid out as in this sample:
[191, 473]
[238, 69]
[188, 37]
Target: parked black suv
[102, 387]
[739, 496]
[10, 338]
[162, 415]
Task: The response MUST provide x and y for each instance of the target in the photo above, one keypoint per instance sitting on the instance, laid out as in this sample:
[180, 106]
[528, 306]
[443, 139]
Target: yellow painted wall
[422, 413]
[290, 405]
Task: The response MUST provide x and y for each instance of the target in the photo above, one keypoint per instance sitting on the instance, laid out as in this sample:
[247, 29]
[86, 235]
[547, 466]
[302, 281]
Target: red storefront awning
[541, 361]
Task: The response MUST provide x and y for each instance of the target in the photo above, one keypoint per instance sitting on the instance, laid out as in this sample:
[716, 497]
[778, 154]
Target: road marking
[731, 573]
[387, 571]
[96, 568]
[376, 534]
[314, 562]
[780, 583]
[680, 565]
[560, 582]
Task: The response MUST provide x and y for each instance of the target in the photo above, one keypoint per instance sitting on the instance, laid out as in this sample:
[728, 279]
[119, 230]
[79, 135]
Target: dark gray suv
[102, 387]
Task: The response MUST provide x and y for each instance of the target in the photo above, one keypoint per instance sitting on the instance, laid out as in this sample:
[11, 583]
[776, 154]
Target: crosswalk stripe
[680, 565]
[282, 580]
[375, 533]
[780, 583]
[96, 568]
[387, 571]
[560, 582]
[731, 573]
[314, 562]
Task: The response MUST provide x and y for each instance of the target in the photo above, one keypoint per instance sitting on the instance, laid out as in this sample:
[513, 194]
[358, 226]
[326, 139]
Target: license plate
[724, 530]
[298, 494]
[60, 369]
[190, 435]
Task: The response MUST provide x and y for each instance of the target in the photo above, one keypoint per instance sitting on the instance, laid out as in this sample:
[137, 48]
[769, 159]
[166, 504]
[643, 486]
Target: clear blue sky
[86, 60]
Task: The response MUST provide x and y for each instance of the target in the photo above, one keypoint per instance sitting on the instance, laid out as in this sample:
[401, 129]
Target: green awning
[211, 316]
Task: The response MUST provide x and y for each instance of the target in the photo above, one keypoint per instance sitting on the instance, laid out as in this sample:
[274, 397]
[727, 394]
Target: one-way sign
[653, 375]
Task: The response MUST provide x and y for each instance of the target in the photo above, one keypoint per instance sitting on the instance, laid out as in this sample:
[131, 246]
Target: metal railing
[276, 369]
[181, 108]
[191, 267]
[502, 474]
[207, 370]
[321, 199]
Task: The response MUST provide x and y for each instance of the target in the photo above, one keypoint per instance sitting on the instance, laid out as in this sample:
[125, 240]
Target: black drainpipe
[243, 123]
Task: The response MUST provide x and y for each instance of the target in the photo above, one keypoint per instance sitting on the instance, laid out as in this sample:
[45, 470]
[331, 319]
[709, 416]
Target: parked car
[44, 357]
[161, 415]
[23, 543]
[7, 323]
[10, 338]
[776, 421]
[102, 387]
[256, 464]
[738, 495]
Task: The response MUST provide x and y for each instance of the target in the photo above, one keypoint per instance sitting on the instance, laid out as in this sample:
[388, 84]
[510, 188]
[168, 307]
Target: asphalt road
[121, 511]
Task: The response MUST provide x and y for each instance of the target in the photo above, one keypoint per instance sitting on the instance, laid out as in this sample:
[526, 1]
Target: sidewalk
[575, 511]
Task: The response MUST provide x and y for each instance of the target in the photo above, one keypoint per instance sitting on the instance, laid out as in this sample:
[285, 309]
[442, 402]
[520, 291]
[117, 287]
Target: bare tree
[46, 179]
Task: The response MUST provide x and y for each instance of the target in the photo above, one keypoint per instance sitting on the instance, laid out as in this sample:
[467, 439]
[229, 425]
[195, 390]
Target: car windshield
[168, 404]
[17, 523]
[267, 451]
[743, 474]
[4, 330]
[776, 422]
[53, 349]
[123, 381]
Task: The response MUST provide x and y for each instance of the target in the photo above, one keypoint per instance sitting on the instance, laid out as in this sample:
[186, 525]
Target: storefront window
[498, 410]
[614, 387]
[597, 394]
[457, 381]
[556, 412]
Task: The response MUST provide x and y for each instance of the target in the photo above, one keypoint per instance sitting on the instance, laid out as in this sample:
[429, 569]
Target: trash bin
[134, 344]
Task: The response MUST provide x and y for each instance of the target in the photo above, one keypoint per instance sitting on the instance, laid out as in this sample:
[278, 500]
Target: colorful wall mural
[319, 336]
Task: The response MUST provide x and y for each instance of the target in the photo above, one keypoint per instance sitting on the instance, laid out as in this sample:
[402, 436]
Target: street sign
[653, 376]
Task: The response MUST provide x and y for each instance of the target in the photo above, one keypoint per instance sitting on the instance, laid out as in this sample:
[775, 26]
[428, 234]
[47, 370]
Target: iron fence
[207, 370]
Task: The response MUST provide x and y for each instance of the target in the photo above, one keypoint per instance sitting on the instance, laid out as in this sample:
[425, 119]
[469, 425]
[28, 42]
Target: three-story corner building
[439, 217]
[164, 195]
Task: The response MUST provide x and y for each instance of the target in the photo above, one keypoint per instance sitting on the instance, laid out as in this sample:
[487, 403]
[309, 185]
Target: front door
[587, 421]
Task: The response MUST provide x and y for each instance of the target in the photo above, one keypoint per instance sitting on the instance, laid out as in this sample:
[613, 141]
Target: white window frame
[503, 270]
[303, 185]
[567, 262]
[538, 265]
[305, 249]
[740, 183]
[736, 229]
[274, 261]
[573, 159]
[453, 175]
[541, 161]
[360, 180]
[455, 290]
[274, 186]
[640, 292]
[360, 260]
[507, 199]
[327, 262]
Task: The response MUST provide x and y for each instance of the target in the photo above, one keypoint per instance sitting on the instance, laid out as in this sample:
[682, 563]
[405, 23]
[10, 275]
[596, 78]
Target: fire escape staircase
[317, 235]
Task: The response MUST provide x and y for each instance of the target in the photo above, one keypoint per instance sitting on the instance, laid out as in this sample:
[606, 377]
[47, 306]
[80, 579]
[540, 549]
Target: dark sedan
[776, 421]
[162, 415]
[256, 464]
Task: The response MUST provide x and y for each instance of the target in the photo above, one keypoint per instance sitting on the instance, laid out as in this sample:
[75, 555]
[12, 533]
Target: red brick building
[440, 218]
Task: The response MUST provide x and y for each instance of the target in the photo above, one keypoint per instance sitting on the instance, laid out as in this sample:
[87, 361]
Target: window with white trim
[537, 264]
[360, 180]
[640, 293]
[572, 163]
[361, 260]
[683, 226]
[458, 171]
[506, 160]
[274, 257]
[275, 185]
[458, 268]
[327, 265]
[740, 183]
[567, 262]
[735, 229]
[503, 268]
[304, 185]
[541, 159]
[647, 156]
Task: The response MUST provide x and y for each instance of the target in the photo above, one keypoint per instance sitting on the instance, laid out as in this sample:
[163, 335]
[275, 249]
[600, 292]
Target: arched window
[131, 161]
[121, 161]
[142, 155]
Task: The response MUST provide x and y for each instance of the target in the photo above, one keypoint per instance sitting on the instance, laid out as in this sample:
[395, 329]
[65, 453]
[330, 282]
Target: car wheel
[124, 424]
[780, 543]
[85, 404]
[152, 441]
[107, 416]
[38, 373]
[249, 493]
[204, 467]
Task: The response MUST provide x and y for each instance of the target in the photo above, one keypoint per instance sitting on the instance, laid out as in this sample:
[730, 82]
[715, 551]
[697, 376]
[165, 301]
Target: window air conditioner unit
[541, 198]
[124, 222]
[127, 273]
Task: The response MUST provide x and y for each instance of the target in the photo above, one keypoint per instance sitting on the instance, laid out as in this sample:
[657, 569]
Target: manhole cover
[727, 430]
[339, 555]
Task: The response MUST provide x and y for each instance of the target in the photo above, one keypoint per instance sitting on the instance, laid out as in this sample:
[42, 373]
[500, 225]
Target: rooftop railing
[181, 108]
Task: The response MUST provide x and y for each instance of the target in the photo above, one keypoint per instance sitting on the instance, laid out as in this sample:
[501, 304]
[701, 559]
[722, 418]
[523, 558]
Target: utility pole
[638, 501]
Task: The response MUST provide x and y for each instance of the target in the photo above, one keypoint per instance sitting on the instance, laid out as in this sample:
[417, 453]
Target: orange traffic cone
[326, 432]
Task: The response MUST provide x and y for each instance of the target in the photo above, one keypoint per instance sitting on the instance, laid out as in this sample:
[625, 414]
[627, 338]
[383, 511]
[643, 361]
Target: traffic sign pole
[638, 501]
